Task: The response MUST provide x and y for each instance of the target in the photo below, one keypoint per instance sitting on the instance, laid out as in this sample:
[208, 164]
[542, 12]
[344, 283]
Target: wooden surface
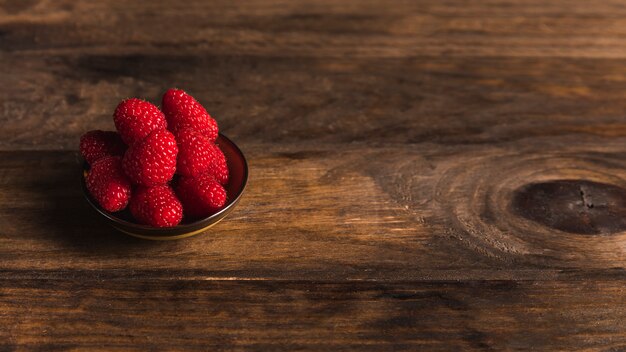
[424, 175]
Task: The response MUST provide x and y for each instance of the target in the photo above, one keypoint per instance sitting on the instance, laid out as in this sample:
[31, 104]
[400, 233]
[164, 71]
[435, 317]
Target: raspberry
[135, 119]
[156, 206]
[182, 111]
[198, 155]
[195, 153]
[152, 161]
[218, 166]
[107, 183]
[97, 144]
[201, 196]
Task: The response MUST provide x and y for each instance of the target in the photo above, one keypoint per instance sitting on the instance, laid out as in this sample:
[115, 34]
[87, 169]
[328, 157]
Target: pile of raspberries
[135, 166]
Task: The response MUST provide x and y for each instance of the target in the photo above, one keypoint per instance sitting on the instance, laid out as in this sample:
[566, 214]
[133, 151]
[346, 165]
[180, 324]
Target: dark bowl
[123, 221]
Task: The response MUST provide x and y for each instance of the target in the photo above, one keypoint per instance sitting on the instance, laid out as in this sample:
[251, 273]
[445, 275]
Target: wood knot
[575, 206]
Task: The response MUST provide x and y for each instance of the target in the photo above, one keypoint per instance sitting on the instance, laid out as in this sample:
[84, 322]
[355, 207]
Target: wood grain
[322, 28]
[105, 315]
[277, 100]
[370, 213]
[424, 175]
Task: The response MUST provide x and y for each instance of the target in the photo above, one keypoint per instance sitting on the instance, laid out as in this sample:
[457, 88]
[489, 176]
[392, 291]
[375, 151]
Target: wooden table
[424, 175]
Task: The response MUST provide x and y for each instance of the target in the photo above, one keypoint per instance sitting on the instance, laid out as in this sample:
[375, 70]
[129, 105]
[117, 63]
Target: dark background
[424, 175]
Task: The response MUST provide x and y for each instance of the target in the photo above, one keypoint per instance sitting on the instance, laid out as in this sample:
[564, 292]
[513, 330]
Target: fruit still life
[163, 165]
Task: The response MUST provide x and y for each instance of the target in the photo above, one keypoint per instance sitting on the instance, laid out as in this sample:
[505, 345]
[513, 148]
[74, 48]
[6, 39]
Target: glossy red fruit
[152, 161]
[135, 119]
[156, 206]
[201, 196]
[198, 155]
[195, 152]
[108, 185]
[218, 167]
[183, 111]
[97, 144]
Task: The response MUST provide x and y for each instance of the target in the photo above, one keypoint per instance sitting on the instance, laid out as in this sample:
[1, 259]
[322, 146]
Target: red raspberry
[97, 144]
[156, 206]
[218, 166]
[152, 161]
[135, 119]
[107, 183]
[198, 155]
[201, 196]
[182, 110]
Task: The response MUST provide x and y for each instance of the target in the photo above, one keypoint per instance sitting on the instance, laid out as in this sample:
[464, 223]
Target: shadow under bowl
[238, 177]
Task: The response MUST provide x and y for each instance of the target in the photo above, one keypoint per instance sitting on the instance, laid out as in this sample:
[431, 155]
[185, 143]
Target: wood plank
[103, 315]
[425, 175]
[414, 212]
[53, 100]
[323, 28]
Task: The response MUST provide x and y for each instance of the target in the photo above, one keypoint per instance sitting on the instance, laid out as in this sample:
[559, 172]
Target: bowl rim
[192, 226]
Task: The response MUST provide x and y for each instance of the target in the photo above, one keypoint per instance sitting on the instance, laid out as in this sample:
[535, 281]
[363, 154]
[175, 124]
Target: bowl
[238, 177]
